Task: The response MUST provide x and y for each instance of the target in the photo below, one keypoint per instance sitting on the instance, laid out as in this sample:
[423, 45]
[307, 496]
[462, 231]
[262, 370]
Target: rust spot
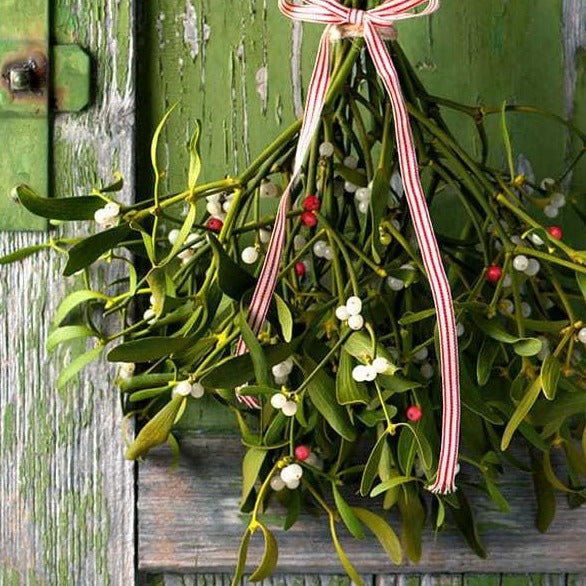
[24, 75]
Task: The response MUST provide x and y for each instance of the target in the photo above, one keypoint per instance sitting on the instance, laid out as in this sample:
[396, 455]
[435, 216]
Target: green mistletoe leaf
[67, 334]
[322, 392]
[148, 349]
[194, 158]
[233, 280]
[242, 555]
[269, 559]
[285, 318]
[412, 522]
[251, 465]
[59, 208]
[348, 391]
[237, 370]
[383, 532]
[91, 249]
[23, 253]
[347, 514]
[464, 519]
[485, 362]
[545, 493]
[550, 376]
[371, 469]
[255, 351]
[391, 483]
[344, 560]
[521, 346]
[115, 186]
[75, 299]
[146, 394]
[157, 280]
[157, 430]
[521, 411]
[76, 365]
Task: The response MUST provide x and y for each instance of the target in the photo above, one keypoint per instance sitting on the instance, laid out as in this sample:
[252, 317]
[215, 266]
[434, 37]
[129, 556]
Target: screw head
[20, 79]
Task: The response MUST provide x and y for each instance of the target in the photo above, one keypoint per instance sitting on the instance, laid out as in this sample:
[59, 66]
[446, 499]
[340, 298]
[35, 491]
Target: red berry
[308, 219]
[300, 269]
[556, 232]
[302, 453]
[494, 273]
[215, 224]
[414, 413]
[312, 203]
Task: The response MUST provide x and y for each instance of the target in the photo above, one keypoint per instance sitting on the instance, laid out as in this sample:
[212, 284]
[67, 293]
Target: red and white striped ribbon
[369, 23]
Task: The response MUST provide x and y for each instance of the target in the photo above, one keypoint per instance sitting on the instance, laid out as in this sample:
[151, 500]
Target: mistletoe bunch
[345, 367]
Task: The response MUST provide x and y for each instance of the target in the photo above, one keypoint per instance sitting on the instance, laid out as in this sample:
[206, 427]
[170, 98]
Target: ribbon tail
[267, 281]
[440, 288]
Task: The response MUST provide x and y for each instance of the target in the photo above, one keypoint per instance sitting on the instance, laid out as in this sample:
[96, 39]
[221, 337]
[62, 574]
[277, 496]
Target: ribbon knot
[356, 16]
[372, 25]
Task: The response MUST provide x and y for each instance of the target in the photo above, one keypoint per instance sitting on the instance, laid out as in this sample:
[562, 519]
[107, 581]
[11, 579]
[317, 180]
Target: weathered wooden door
[68, 499]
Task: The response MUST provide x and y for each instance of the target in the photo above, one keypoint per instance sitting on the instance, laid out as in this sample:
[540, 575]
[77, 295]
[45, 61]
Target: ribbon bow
[369, 24]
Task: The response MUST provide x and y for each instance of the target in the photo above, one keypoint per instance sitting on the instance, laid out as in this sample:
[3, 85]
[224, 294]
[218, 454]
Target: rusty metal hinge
[36, 79]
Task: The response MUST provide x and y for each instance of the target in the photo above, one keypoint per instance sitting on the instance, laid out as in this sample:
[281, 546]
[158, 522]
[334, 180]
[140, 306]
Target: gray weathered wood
[189, 522]
[66, 493]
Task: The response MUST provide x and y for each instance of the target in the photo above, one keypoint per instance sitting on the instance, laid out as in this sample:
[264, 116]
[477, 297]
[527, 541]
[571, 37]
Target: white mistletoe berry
[197, 390]
[319, 248]
[293, 484]
[354, 305]
[281, 380]
[558, 200]
[277, 483]
[380, 364]
[350, 187]
[507, 307]
[149, 316]
[421, 354]
[369, 373]
[214, 209]
[363, 195]
[363, 207]
[126, 369]
[279, 370]
[460, 329]
[291, 473]
[214, 198]
[525, 309]
[182, 389]
[342, 313]
[582, 335]
[288, 365]
[355, 322]
[249, 255]
[269, 189]
[551, 211]
[359, 373]
[351, 162]
[289, 408]
[299, 242]
[507, 280]
[173, 236]
[101, 216]
[278, 400]
[264, 235]
[328, 253]
[395, 284]
[520, 263]
[326, 149]
[547, 183]
[427, 370]
[533, 267]
[112, 210]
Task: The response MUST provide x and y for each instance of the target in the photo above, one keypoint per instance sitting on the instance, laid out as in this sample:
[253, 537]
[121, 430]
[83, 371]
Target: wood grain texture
[66, 494]
[189, 522]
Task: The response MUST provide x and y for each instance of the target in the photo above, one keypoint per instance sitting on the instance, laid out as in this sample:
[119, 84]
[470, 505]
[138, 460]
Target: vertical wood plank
[67, 495]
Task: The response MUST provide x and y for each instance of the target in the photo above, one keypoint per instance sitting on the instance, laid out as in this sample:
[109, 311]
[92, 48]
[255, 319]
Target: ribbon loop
[371, 24]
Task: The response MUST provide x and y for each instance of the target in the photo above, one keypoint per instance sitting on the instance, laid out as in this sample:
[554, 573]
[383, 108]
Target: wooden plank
[66, 493]
[189, 522]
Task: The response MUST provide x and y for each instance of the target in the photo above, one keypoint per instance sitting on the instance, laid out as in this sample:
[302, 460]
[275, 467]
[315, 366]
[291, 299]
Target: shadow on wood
[189, 521]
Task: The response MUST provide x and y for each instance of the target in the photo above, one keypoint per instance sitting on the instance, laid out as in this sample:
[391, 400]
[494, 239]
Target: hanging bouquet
[308, 297]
